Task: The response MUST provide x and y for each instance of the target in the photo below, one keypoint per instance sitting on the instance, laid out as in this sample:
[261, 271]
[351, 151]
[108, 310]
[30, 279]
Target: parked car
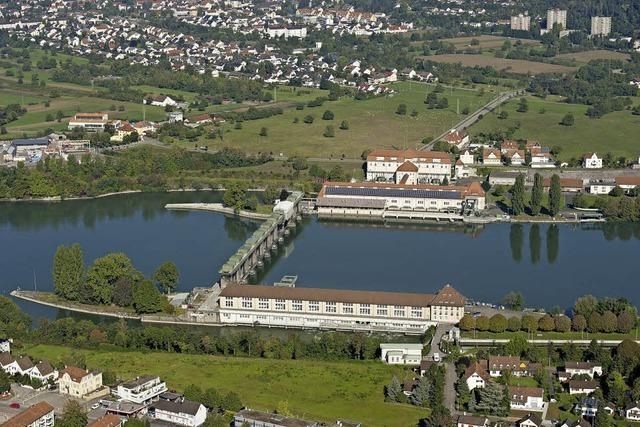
[436, 357]
[14, 405]
[95, 406]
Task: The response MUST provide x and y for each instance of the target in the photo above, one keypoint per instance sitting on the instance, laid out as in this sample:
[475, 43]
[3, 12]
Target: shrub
[327, 115]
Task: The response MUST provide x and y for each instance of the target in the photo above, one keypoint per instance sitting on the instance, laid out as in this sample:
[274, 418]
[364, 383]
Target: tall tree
[555, 196]
[420, 394]
[517, 195]
[536, 194]
[167, 276]
[393, 391]
[147, 298]
[68, 271]
[72, 415]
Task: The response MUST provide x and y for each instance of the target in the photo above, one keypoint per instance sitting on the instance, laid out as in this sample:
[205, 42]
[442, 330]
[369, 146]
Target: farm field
[585, 57]
[518, 66]
[615, 132]
[346, 389]
[372, 123]
[486, 42]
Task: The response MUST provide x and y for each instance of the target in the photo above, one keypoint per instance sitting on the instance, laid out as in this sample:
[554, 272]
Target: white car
[95, 406]
[436, 357]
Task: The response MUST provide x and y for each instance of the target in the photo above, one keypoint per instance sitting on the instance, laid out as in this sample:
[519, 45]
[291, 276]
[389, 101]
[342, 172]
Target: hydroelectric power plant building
[275, 306]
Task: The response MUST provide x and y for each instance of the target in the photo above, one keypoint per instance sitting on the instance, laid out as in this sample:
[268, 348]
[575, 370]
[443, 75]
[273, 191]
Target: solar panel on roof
[391, 192]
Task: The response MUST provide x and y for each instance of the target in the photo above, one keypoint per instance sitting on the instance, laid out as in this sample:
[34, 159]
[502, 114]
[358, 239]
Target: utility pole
[458, 106]
[275, 93]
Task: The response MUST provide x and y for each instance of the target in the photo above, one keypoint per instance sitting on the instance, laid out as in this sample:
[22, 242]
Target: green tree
[514, 324]
[555, 196]
[536, 194]
[402, 109]
[585, 305]
[594, 322]
[482, 323]
[231, 402]
[344, 125]
[497, 323]
[72, 415]
[263, 131]
[513, 300]
[626, 322]
[393, 391]
[271, 194]
[194, 393]
[523, 106]
[308, 119]
[562, 323]
[439, 417]
[517, 195]
[609, 322]
[579, 323]
[546, 323]
[167, 276]
[147, 298]
[327, 115]
[503, 115]
[234, 196]
[103, 275]
[467, 323]
[567, 120]
[68, 271]
[329, 132]
[529, 323]
[517, 346]
[490, 399]
[463, 395]
[420, 394]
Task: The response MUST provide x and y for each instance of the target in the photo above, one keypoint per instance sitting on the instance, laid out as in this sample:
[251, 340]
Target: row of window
[329, 307]
[284, 319]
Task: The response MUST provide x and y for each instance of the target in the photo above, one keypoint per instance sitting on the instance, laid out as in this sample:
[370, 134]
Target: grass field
[486, 42]
[616, 132]
[314, 390]
[373, 123]
[585, 57]
[511, 65]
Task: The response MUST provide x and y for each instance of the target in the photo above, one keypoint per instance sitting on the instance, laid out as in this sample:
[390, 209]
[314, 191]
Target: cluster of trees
[10, 113]
[213, 399]
[589, 314]
[434, 101]
[493, 399]
[111, 279]
[142, 168]
[253, 113]
[428, 392]
[236, 197]
[518, 205]
[617, 206]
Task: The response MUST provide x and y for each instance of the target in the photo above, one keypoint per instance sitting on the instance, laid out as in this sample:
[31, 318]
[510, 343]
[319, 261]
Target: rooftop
[30, 415]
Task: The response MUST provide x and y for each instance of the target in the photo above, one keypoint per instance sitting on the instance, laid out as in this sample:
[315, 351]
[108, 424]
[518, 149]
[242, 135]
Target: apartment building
[377, 199]
[401, 353]
[600, 26]
[90, 122]
[556, 16]
[392, 166]
[77, 382]
[38, 415]
[181, 412]
[141, 390]
[521, 22]
[337, 308]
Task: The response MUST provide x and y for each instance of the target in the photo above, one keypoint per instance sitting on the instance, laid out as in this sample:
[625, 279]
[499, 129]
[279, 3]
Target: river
[549, 265]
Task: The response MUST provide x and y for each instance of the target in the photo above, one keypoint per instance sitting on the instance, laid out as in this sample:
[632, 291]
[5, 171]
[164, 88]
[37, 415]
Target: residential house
[601, 187]
[588, 407]
[201, 119]
[383, 165]
[459, 138]
[509, 145]
[499, 364]
[44, 372]
[632, 411]
[77, 382]
[25, 365]
[9, 364]
[108, 420]
[5, 345]
[162, 101]
[40, 414]
[582, 387]
[591, 161]
[175, 116]
[491, 157]
[425, 365]
[463, 171]
[471, 421]
[580, 422]
[526, 398]
[515, 157]
[476, 376]
[183, 412]
[401, 354]
[141, 390]
[123, 129]
[583, 368]
[530, 420]
[408, 385]
[467, 158]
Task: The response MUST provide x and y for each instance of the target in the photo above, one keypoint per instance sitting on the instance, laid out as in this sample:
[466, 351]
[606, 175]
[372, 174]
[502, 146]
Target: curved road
[472, 118]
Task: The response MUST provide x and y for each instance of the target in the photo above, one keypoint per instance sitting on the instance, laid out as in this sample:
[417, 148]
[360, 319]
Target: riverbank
[51, 300]
[217, 207]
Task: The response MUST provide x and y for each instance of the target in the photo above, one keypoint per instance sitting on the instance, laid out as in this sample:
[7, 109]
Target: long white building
[600, 25]
[556, 16]
[521, 22]
[339, 309]
[142, 389]
[408, 166]
[381, 199]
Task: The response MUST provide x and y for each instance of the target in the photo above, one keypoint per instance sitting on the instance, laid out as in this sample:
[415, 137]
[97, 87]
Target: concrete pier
[250, 256]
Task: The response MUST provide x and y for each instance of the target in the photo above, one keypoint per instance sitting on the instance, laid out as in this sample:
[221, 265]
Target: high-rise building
[521, 22]
[556, 16]
[600, 25]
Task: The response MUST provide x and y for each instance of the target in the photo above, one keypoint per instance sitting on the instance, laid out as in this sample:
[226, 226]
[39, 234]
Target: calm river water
[549, 264]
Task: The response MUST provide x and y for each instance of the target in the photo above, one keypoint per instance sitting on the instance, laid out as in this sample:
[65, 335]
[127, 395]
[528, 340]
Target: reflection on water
[515, 239]
[553, 243]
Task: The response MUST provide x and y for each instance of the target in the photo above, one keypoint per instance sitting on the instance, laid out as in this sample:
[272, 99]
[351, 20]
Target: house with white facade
[588, 407]
[632, 411]
[526, 398]
[90, 122]
[401, 353]
[628, 182]
[9, 364]
[181, 412]
[601, 187]
[467, 158]
[44, 372]
[79, 383]
[432, 166]
[530, 420]
[515, 157]
[583, 368]
[162, 101]
[582, 387]
[491, 157]
[471, 421]
[5, 345]
[591, 161]
[40, 414]
[476, 376]
[499, 364]
[458, 138]
[141, 390]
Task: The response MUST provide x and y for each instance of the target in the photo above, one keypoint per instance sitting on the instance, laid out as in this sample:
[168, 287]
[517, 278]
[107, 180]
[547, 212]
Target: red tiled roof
[30, 415]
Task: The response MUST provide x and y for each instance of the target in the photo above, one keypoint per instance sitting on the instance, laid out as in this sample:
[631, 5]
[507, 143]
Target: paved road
[471, 119]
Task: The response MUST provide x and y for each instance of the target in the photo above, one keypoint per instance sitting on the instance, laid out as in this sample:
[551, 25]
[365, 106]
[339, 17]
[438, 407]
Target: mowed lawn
[372, 123]
[616, 132]
[314, 390]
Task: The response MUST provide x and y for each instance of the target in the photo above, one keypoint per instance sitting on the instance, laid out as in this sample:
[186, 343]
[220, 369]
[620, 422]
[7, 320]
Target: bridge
[265, 239]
